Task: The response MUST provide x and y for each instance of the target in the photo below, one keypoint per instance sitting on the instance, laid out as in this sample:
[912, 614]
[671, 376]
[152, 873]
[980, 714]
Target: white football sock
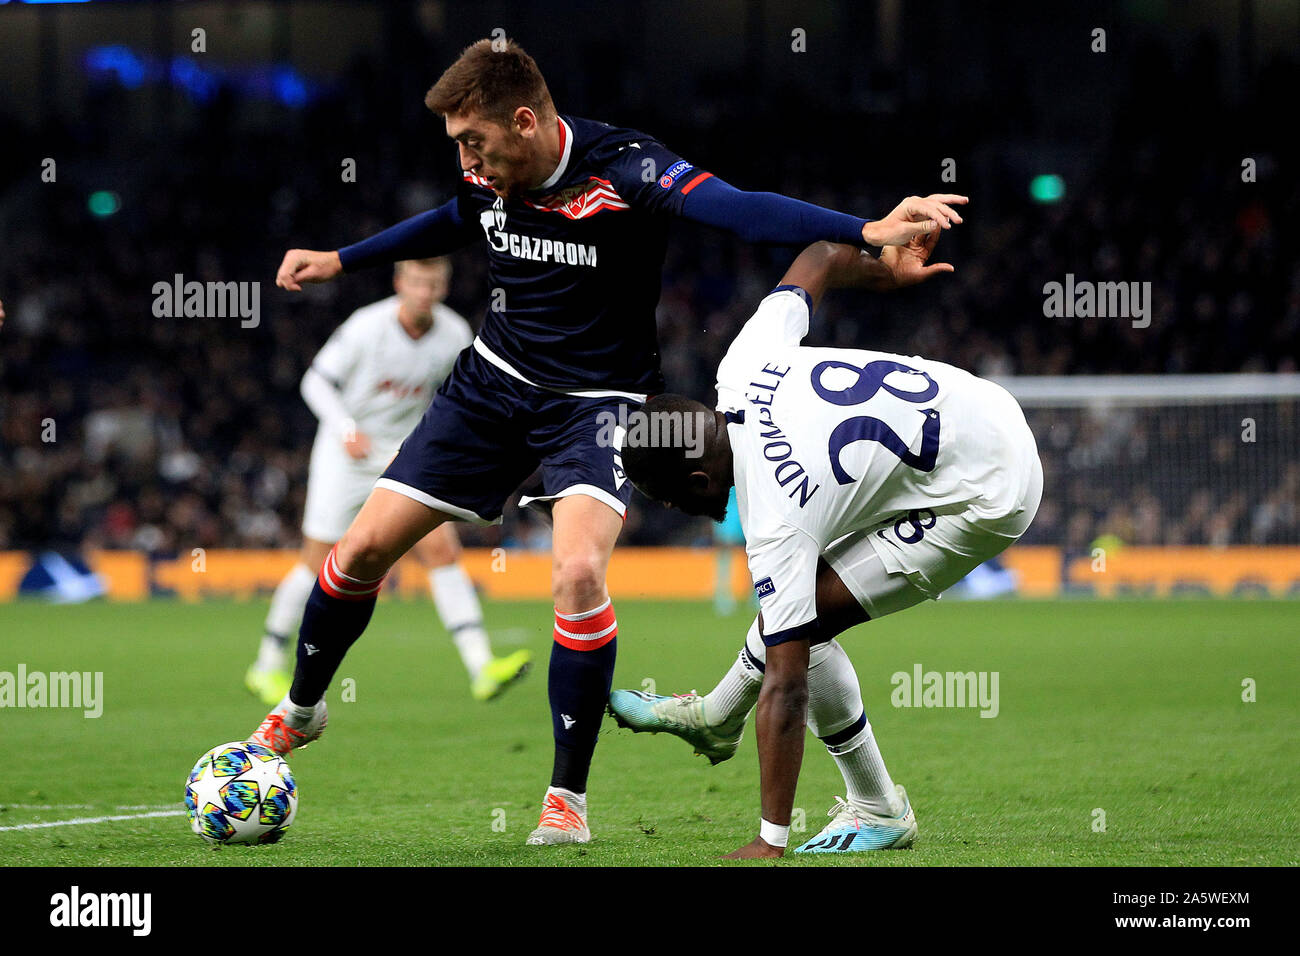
[737, 692]
[868, 782]
[462, 615]
[285, 617]
[836, 716]
[298, 715]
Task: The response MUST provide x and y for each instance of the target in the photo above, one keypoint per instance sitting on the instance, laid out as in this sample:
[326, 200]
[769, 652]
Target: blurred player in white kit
[369, 386]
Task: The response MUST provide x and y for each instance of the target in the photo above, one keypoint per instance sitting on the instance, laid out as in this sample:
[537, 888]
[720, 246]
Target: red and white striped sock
[336, 584]
[587, 630]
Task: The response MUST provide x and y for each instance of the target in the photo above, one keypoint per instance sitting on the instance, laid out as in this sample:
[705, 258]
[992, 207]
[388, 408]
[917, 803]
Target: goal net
[1168, 460]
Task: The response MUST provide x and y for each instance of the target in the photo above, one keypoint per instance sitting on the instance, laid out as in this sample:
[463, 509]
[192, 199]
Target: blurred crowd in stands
[122, 430]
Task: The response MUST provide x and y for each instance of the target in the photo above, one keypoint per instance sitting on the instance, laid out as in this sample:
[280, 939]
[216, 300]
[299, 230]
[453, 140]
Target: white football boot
[853, 829]
[289, 727]
[564, 820]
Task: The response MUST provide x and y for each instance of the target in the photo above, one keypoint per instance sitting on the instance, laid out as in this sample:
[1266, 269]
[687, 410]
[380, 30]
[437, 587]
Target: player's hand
[907, 263]
[306, 265]
[357, 445]
[914, 217]
[759, 849]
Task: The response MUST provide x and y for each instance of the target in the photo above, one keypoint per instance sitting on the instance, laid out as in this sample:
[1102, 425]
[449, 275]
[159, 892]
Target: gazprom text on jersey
[543, 250]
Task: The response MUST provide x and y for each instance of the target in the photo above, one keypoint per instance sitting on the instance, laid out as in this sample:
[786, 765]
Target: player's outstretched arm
[782, 716]
[771, 217]
[432, 233]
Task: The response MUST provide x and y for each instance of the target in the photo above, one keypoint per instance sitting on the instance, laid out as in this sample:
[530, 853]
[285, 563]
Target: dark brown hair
[493, 82]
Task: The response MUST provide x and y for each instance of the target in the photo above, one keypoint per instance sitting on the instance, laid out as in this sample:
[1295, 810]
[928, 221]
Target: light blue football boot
[853, 829]
[681, 715]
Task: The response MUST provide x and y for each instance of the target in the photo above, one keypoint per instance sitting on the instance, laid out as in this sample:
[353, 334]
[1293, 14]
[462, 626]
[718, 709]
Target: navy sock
[337, 611]
[578, 687]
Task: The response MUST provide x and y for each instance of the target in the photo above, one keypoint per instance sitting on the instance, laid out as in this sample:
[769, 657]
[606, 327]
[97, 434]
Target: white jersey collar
[566, 150]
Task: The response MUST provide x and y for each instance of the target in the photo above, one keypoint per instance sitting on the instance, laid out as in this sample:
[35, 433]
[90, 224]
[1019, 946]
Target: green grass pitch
[1132, 708]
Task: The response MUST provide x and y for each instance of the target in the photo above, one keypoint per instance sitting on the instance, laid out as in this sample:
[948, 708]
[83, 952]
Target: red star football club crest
[579, 202]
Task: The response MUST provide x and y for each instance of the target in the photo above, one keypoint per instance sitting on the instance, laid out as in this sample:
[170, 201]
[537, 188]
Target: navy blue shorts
[486, 431]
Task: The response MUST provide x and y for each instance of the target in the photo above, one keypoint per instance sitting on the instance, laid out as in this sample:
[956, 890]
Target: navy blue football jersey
[579, 260]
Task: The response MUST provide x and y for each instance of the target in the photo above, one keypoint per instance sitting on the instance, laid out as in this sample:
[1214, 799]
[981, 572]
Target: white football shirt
[831, 441]
[386, 378]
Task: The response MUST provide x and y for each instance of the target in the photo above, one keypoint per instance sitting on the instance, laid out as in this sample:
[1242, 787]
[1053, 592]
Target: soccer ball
[241, 792]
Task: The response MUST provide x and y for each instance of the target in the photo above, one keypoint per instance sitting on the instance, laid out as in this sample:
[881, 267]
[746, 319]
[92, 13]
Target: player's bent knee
[363, 555]
[578, 578]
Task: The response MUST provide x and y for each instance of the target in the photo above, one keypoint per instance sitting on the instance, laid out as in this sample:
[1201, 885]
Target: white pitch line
[83, 806]
[82, 820]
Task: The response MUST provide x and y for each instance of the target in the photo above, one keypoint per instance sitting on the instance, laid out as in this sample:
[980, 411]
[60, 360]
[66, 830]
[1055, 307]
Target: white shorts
[903, 561]
[337, 486]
